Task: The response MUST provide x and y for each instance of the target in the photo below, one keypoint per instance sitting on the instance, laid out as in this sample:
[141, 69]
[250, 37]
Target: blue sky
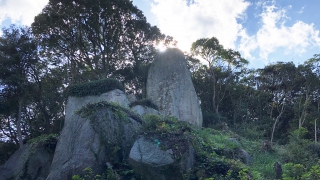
[263, 31]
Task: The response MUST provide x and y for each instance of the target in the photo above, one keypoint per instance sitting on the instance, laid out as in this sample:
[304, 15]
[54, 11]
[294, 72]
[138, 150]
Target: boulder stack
[86, 142]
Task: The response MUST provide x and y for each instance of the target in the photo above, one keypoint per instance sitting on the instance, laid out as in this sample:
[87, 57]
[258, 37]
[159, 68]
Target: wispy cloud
[302, 9]
[275, 34]
[20, 11]
[200, 19]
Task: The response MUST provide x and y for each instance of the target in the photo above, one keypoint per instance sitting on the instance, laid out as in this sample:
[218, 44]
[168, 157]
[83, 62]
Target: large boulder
[75, 103]
[170, 87]
[149, 152]
[93, 134]
[32, 161]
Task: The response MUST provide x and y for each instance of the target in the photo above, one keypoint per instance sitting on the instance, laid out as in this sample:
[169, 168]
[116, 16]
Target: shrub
[313, 173]
[298, 149]
[48, 141]
[293, 171]
[94, 88]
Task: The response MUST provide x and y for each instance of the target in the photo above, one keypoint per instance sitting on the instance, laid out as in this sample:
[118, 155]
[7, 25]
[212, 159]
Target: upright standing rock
[170, 87]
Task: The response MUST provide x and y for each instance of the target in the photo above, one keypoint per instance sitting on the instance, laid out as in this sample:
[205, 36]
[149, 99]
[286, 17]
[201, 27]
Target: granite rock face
[150, 153]
[85, 144]
[142, 110]
[170, 87]
[150, 160]
[32, 161]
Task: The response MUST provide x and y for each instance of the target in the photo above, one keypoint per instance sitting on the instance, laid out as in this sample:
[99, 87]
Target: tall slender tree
[18, 59]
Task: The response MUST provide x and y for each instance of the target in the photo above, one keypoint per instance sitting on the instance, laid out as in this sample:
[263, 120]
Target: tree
[279, 80]
[95, 38]
[46, 109]
[311, 89]
[224, 66]
[18, 59]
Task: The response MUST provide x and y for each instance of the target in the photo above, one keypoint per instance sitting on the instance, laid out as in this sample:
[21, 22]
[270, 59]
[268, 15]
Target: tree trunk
[214, 103]
[315, 131]
[275, 123]
[19, 124]
[302, 118]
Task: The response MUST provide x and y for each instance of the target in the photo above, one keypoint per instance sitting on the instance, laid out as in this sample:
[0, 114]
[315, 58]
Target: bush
[145, 102]
[298, 149]
[293, 171]
[94, 88]
[48, 141]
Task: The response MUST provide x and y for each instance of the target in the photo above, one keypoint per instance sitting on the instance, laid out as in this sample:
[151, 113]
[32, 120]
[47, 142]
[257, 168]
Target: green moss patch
[48, 141]
[89, 111]
[94, 88]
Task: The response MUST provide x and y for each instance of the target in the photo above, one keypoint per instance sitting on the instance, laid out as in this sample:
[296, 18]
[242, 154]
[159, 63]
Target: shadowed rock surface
[152, 161]
[142, 110]
[148, 152]
[32, 161]
[170, 87]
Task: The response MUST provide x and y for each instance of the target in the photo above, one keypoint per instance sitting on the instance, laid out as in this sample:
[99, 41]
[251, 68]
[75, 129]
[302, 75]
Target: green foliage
[45, 138]
[18, 71]
[94, 88]
[89, 111]
[159, 124]
[313, 173]
[126, 38]
[145, 102]
[293, 171]
[215, 152]
[298, 149]
[243, 174]
[298, 171]
[264, 163]
[252, 131]
[48, 141]
[90, 175]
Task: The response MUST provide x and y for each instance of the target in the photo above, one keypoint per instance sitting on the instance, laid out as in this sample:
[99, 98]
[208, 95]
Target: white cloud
[274, 34]
[302, 9]
[21, 11]
[201, 19]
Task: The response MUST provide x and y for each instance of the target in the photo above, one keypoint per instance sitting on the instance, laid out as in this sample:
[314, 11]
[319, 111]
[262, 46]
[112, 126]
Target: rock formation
[170, 87]
[32, 161]
[88, 143]
[142, 110]
[153, 162]
[148, 152]
[101, 133]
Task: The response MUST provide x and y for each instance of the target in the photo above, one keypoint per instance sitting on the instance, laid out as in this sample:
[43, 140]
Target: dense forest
[274, 110]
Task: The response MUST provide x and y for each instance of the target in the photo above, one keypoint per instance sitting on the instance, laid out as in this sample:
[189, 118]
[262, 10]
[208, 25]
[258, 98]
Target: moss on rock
[94, 88]
[215, 154]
